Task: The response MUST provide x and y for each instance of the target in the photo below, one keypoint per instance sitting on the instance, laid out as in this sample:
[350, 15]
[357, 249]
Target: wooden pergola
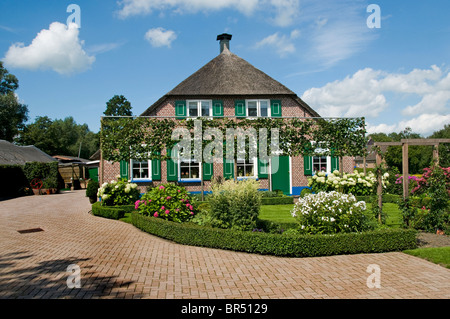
[404, 143]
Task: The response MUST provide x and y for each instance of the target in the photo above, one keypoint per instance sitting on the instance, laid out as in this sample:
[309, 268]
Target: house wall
[290, 107]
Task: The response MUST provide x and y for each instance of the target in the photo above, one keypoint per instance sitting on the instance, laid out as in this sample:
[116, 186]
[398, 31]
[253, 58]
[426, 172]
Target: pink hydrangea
[161, 187]
[168, 197]
[167, 212]
[155, 214]
[162, 208]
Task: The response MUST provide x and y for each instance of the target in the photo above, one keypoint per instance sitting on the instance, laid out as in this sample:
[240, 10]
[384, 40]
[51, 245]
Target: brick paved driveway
[117, 260]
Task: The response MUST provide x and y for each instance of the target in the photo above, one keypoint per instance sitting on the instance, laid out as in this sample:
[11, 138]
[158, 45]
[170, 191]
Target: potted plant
[91, 191]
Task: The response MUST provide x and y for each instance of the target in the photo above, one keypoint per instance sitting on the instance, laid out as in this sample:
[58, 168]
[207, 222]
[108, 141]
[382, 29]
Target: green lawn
[438, 255]
[282, 213]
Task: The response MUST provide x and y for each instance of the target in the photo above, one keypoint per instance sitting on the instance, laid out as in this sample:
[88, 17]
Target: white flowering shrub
[330, 213]
[355, 183]
[119, 192]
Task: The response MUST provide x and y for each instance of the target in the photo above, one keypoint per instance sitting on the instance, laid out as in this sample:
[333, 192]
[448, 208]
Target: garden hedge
[277, 200]
[278, 244]
[112, 212]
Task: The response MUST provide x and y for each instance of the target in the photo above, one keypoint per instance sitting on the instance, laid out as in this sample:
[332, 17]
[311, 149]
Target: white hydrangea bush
[119, 192]
[356, 183]
[330, 213]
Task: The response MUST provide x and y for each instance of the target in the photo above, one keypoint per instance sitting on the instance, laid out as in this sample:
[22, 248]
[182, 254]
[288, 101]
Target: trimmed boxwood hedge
[112, 212]
[278, 244]
[285, 200]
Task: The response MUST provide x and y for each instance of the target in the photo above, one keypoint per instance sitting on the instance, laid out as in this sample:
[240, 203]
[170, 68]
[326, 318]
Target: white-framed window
[321, 163]
[189, 169]
[257, 108]
[140, 170]
[247, 168]
[199, 108]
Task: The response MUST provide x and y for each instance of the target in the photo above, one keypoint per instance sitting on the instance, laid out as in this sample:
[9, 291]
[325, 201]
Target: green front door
[281, 179]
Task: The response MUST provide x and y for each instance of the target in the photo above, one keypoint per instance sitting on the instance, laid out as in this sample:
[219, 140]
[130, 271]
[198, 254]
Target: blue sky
[396, 76]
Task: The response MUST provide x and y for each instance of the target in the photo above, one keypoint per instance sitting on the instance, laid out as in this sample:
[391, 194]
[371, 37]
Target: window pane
[193, 109]
[205, 108]
[264, 108]
[252, 108]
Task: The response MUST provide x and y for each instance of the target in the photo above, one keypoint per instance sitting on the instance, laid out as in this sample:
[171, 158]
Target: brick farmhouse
[227, 86]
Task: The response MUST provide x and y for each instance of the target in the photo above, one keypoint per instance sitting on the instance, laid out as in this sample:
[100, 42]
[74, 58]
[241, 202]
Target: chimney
[224, 41]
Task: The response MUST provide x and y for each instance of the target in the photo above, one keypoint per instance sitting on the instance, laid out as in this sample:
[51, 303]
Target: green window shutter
[239, 108]
[207, 171]
[217, 108]
[228, 169]
[334, 163]
[307, 165]
[180, 109]
[156, 169]
[275, 108]
[124, 169]
[263, 168]
[172, 168]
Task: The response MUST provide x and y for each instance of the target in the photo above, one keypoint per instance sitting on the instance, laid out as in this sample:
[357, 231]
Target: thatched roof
[11, 154]
[229, 75]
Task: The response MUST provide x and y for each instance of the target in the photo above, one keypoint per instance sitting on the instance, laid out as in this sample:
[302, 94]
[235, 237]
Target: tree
[444, 148]
[13, 114]
[118, 105]
[60, 137]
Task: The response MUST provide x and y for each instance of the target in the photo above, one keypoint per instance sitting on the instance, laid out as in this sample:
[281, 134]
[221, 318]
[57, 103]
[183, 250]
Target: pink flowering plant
[167, 201]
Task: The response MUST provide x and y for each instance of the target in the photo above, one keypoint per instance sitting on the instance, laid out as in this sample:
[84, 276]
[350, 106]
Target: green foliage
[60, 137]
[111, 212]
[119, 192]
[92, 189]
[439, 194]
[167, 201]
[430, 211]
[235, 204]
[118, 134]
[13, 115]
[118, 105]
[286, 245]
[330, 213]
[47, 172]
[277, 200]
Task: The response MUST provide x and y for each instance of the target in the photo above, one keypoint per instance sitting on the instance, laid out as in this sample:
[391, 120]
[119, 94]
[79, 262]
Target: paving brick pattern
[119, 261]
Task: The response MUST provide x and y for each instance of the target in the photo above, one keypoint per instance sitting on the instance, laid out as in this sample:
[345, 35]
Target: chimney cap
[224, 36]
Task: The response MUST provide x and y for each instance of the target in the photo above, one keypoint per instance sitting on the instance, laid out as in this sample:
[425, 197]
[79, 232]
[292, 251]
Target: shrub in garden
[235, 204]
[92, 190]
[355, 183]
[167, 201]
[119, 192]
[330, 213]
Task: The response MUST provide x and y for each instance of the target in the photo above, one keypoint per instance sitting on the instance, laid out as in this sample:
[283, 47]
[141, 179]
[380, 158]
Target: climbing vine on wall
[123, 138]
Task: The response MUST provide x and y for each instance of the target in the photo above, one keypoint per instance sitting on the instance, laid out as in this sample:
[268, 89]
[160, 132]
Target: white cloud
[159, 37]
[282, 44]
[424, 124]
[144, 7]
[57, 48]
[282, 12]
[368, 93]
